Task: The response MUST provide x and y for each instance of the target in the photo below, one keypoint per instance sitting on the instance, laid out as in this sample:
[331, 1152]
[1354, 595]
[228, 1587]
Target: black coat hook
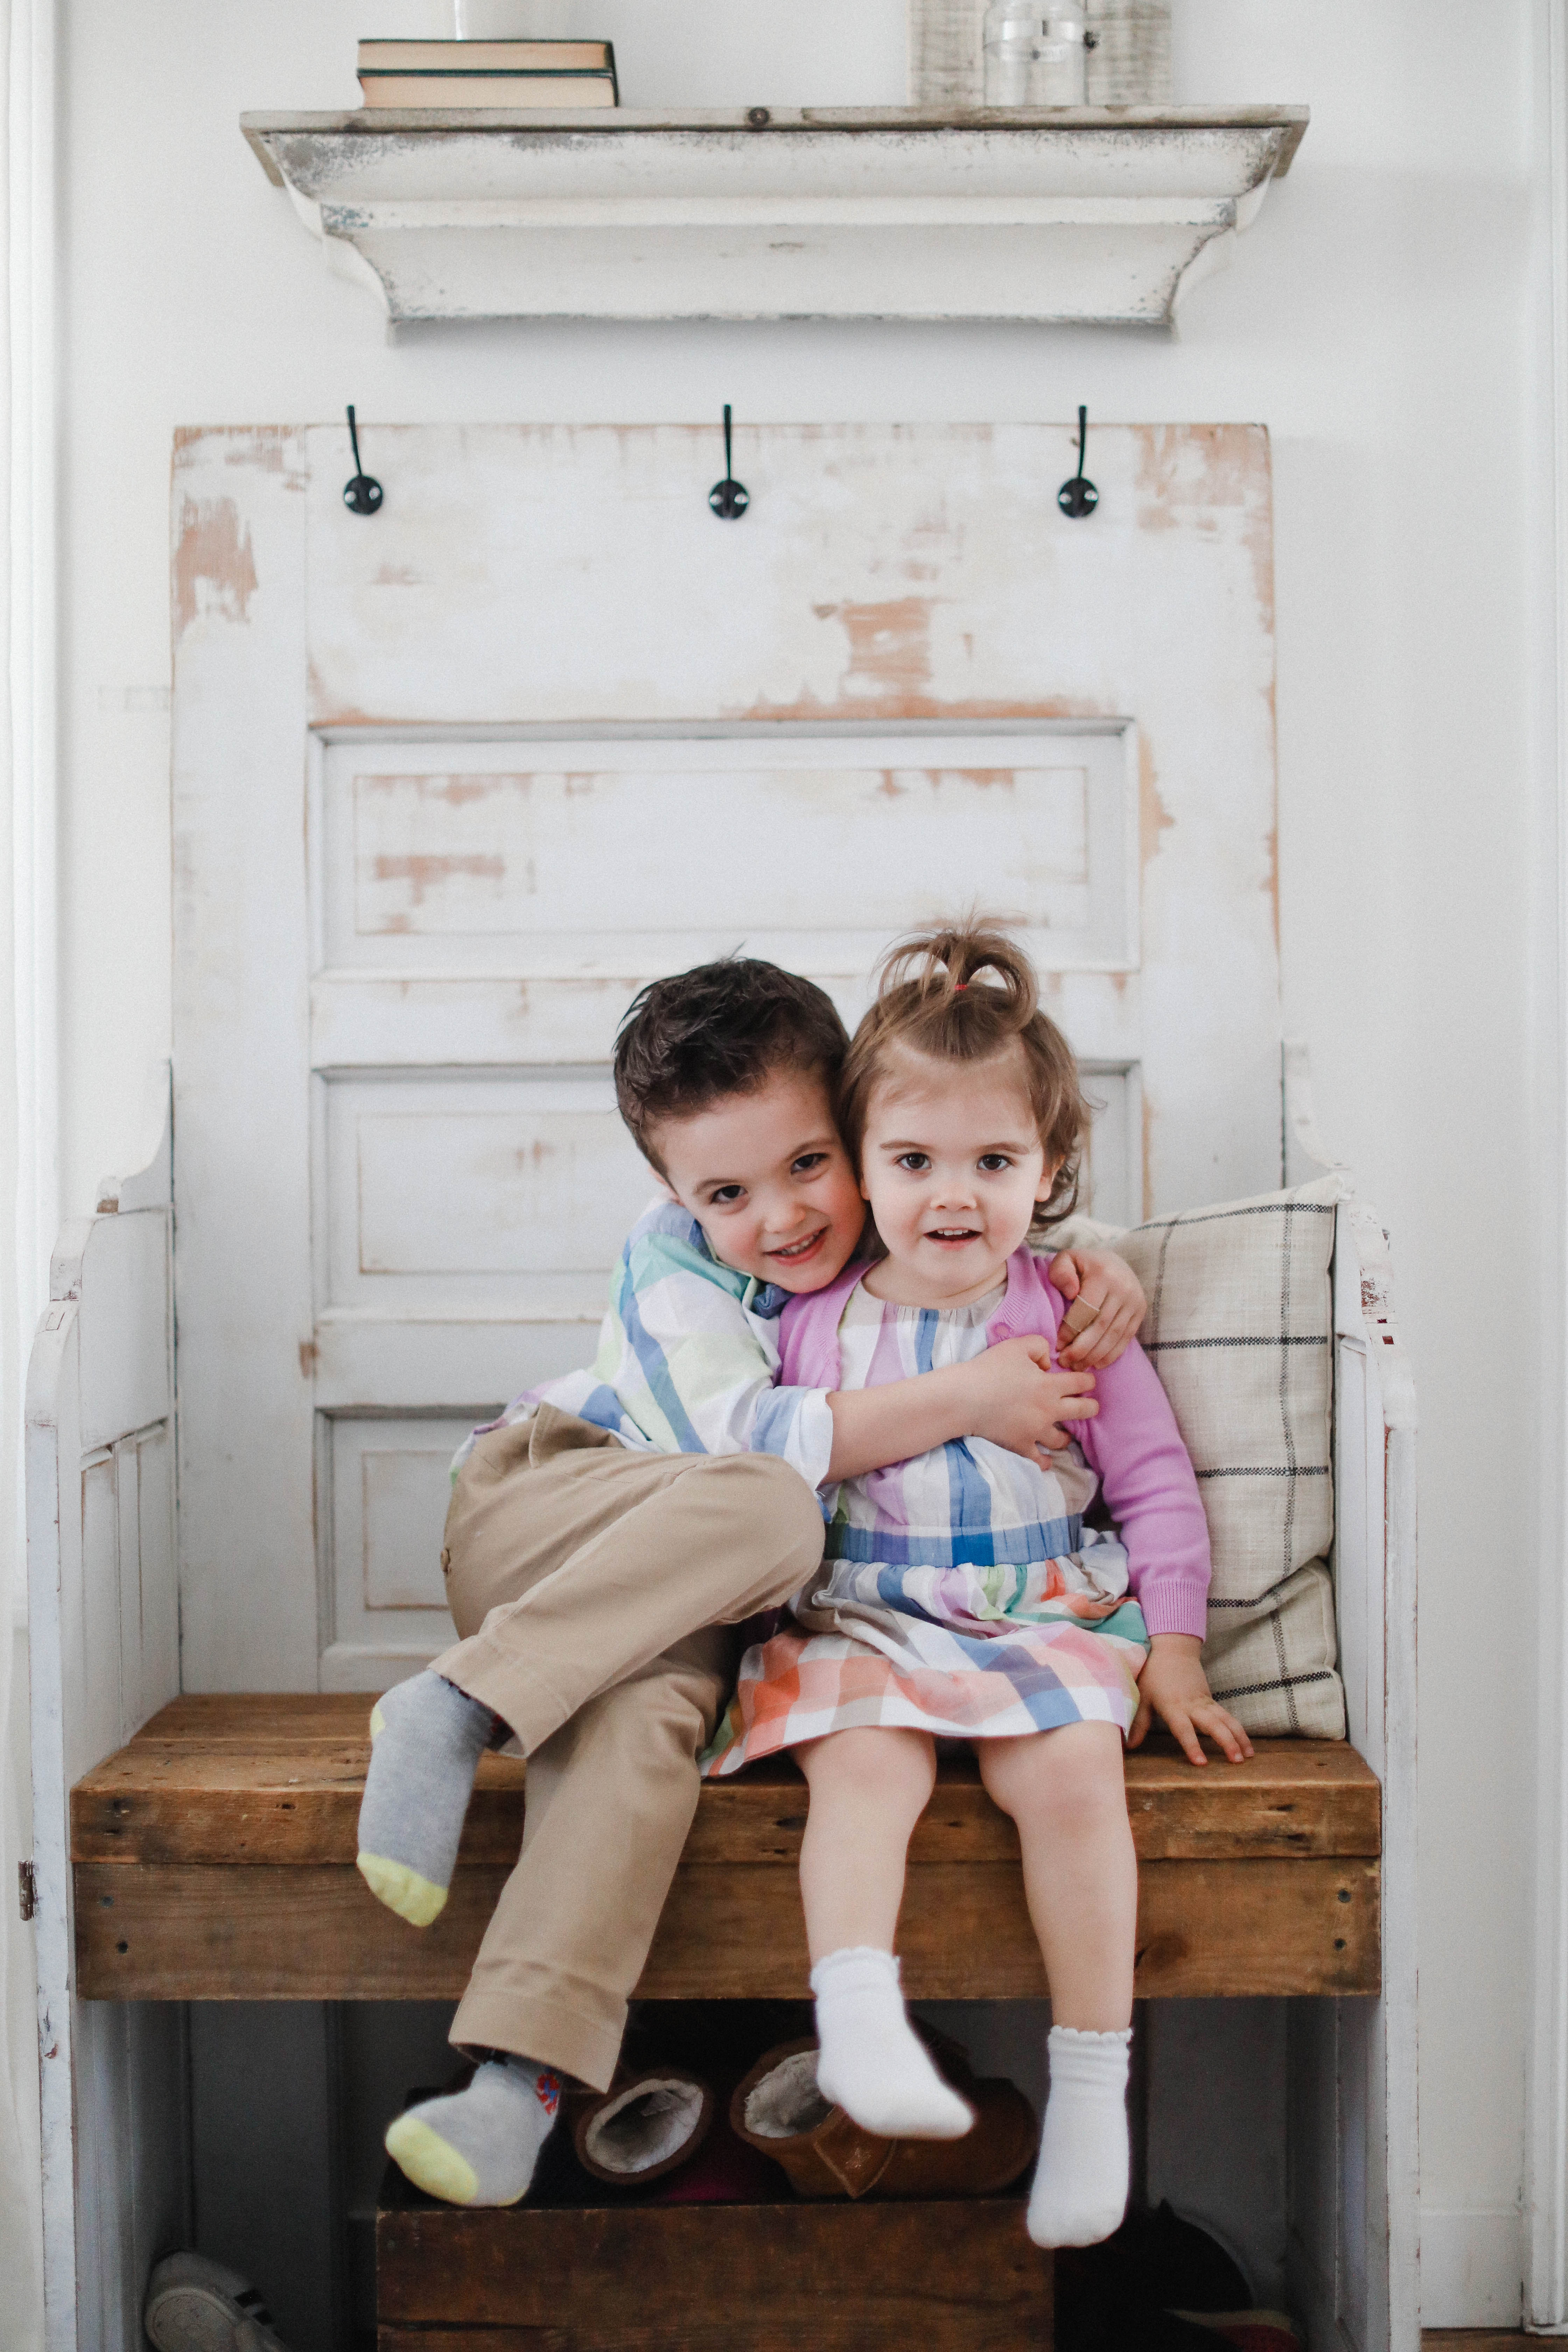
[729, 498]
[364, 494]
[1078, 496]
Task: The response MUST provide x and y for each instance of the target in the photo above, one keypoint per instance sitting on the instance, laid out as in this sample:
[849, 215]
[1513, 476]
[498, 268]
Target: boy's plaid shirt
[688, 1360]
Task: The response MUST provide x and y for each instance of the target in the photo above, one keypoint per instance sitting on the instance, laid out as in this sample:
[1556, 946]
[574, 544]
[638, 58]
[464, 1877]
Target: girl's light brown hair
[965, 994]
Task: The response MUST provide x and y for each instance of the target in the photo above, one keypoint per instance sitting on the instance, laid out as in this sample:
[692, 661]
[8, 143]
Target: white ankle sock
[1079, 2194]
[872, 2063]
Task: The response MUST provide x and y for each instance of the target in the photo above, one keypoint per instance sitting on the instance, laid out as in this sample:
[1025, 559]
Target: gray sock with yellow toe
[479, 2146]
[426, 1740]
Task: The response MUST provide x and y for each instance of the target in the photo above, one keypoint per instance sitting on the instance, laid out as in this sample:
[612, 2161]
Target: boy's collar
[756, 1296]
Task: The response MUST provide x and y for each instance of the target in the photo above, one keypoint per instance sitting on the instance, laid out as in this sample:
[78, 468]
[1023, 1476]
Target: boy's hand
[1174, 1686]
[1106, 1306]
[1015, 1400]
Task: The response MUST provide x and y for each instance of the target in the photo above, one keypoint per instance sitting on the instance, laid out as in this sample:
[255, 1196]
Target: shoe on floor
[194, 2304]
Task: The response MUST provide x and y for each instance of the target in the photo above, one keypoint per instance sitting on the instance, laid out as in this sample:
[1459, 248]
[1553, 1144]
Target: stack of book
[488, 73]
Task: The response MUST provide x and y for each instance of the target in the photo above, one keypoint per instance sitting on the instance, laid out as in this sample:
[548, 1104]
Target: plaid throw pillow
[1240, 1329]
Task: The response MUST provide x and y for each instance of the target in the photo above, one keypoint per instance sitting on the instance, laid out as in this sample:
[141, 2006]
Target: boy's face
[767, 1179]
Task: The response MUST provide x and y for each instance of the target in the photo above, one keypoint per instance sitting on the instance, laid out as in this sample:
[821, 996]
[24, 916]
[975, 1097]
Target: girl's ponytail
[942, 965]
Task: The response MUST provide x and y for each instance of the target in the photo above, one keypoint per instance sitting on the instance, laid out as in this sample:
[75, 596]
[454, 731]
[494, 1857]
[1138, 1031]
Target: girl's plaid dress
[959, 1591]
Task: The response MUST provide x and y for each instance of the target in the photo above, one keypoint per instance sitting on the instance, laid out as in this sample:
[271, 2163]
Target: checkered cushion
[1240, 1329]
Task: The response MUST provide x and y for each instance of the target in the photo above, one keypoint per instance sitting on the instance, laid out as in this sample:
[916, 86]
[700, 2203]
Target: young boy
[608, 1532]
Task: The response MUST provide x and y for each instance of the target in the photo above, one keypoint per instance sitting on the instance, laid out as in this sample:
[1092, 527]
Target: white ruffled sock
[873, 2065]
[1079, 2194]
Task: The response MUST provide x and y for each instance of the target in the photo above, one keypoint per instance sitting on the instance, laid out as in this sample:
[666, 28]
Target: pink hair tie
[959, 986]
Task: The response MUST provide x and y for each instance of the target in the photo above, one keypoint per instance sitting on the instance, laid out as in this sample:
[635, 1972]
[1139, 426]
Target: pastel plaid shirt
[688, 1360]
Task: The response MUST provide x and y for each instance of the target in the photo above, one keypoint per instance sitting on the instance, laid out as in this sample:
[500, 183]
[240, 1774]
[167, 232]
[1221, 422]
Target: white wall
[1379, 320]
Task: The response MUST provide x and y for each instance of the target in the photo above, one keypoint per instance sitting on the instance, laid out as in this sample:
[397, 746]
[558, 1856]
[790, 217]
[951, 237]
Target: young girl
[961, 1595]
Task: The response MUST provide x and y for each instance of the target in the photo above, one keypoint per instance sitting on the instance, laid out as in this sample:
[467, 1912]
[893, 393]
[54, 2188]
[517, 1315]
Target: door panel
[540, 858]
[507, 1192]
[453, 781]
[390, 1481]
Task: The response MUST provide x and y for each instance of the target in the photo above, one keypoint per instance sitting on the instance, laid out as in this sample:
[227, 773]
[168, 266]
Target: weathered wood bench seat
[213, 1859]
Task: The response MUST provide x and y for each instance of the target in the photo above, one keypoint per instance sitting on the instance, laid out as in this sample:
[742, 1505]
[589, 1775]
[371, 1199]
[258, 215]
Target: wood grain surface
[277, 1780]
[840, 2278]
[1476, 2340]
[214, 1860]
[313, 1932]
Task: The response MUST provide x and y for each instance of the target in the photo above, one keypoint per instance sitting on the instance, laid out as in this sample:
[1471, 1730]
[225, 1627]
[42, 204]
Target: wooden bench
[201, 1848]
[213, 1859]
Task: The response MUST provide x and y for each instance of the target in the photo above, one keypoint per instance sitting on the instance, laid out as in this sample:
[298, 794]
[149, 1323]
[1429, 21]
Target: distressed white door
[452, 782]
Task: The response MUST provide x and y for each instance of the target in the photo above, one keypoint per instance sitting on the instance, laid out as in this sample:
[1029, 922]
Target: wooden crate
[957, 2276]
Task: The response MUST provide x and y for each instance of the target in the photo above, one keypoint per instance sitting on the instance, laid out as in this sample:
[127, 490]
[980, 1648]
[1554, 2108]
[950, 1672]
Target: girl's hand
[1174, 1686]
[1014, 1399]
[1106, 1306]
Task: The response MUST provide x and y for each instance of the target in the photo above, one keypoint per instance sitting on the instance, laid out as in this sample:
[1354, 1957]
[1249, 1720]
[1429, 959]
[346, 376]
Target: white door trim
[32, 632]
[1546, 2148]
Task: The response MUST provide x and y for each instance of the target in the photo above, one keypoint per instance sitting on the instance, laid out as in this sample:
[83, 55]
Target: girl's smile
[952, 1165]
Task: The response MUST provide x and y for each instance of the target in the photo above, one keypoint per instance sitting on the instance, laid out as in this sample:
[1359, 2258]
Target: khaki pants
[593, 1587]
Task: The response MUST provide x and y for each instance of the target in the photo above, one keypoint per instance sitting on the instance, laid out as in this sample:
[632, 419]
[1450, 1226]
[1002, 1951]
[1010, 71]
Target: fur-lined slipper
[653, 2118]
[779, 2109]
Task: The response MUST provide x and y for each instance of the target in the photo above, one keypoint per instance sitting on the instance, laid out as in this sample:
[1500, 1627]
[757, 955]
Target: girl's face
[953, 1166]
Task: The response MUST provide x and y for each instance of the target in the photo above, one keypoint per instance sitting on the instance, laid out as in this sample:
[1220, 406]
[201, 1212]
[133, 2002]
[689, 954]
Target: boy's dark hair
[722, 1029]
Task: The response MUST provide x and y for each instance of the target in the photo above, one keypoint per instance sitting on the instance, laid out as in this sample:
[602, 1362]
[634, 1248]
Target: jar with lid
[1034, 55]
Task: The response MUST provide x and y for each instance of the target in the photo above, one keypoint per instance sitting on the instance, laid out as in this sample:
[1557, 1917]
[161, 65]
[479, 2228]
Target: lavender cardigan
[1133, 1445]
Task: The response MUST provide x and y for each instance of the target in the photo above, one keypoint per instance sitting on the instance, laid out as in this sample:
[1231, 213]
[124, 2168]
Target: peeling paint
[215, 566]
[925, 706]
[984, 780]
[455, 790]
[1270, 883]
[890, 645]
[425, 872]
[1188, 474]
[460, 791]
[268, 450]
[260, 448]
[1197, 466]
[1154, 817]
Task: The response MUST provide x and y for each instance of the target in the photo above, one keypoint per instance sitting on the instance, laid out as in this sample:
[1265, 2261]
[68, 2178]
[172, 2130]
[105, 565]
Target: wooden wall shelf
[1087, 215]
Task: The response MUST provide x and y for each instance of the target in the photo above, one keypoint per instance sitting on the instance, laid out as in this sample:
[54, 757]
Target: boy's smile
[769, 1181]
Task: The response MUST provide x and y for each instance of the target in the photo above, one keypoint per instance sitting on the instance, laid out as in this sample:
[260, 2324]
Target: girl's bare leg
[1066, 1793]
[869, 1788]
[1064, 1790]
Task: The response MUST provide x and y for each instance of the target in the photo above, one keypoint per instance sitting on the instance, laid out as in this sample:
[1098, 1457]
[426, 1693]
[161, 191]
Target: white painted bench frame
[104, 1600]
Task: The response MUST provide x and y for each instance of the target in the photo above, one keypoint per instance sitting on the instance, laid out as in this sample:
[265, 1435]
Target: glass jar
[1060, 59]
[1011, 34]
[1033, 55]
